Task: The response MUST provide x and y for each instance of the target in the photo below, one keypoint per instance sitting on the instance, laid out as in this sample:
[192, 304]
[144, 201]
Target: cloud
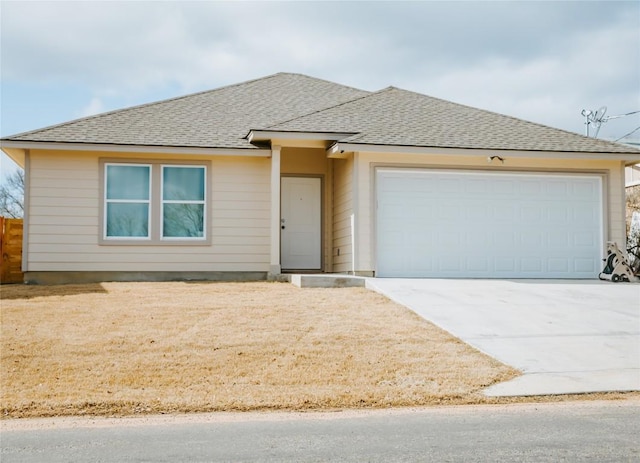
[95, 106]
[587, 70]
[542, 61]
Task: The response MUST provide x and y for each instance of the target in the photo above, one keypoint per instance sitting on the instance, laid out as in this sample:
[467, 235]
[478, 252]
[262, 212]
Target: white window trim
[125, 201]
[168, 201]
[155, 205]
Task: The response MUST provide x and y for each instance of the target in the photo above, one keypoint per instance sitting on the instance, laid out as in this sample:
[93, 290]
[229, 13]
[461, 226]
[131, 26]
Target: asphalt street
[580, 431]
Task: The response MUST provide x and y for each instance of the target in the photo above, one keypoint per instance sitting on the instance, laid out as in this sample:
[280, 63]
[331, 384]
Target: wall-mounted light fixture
[491, 158]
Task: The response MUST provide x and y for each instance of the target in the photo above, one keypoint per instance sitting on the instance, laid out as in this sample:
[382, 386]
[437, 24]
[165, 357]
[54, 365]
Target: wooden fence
[11, 250]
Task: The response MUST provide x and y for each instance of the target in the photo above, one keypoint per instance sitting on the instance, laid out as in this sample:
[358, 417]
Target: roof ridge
[369, 94]
[320, 79]
[138, 106]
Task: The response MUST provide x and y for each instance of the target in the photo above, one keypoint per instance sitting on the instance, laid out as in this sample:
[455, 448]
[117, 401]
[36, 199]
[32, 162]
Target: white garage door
[432, 223]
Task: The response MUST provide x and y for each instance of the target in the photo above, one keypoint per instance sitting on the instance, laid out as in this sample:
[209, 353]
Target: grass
[128, 348]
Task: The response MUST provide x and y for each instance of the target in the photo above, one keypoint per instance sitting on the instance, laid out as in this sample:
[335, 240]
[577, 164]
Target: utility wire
[629, 114]
[608, 118]
[630, 133]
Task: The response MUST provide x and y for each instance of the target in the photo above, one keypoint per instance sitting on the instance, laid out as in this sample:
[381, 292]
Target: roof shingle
[399, 117]
[217, 118]
[221, 118]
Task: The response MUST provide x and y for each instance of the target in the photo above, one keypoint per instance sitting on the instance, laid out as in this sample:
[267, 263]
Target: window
[182, 202]
[128, 193]
[154, 203]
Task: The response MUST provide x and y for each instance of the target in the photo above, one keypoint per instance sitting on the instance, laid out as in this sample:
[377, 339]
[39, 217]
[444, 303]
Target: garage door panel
[557, 189]
[419, 187]
[448, 209]
[477, 187]
[559, 265]
[528, 188]
[450, 238]
[477, 210]
[448, 187]
[532, 265]
[585, 266]
[392, 211]
[559, 213]
[584, 239]
[503, 187]
[505, 212]
[421, 263]
[464, 224]
[530, 240]
[585, 191]
[449, 264]
[583, 216]
[478, 238]
[503, 242]
[505, 265]
[558, 241]
[531, 212]
[478, 264]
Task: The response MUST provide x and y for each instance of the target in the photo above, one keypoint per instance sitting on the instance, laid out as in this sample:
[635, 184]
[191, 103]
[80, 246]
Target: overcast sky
[539, 61]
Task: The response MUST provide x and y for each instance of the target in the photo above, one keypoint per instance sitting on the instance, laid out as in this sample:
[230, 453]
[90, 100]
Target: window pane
[183, 183]
[183, 220]
[127, 219]
[128, 182]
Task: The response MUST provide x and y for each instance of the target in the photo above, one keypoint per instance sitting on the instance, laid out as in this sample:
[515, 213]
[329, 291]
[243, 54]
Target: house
[632, 175]
[290, 173]
[632, 172]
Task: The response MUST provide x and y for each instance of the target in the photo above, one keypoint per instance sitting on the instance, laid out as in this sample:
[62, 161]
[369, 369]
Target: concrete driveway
[570, 336]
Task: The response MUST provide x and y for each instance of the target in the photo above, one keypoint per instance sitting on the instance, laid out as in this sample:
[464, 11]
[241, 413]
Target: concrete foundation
[61, 278]
[327, 281]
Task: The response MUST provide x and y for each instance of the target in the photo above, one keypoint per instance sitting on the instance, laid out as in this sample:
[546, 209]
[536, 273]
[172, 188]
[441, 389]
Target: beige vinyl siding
[612, 171]
[65, 200]
[307, 161]
[63, 206]
[342, 210]
[616, 206]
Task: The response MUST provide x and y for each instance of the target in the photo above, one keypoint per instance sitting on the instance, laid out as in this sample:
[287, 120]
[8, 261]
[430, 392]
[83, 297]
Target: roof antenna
[594, 117]
[598, 117]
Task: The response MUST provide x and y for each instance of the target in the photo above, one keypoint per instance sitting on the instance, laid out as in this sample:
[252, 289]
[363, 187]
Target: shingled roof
[285, 102]
[217, 118]
[402, 118]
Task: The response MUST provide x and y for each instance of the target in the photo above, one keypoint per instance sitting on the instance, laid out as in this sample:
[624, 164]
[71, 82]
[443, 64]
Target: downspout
[356, 207]
[25, 211]
[353, 244]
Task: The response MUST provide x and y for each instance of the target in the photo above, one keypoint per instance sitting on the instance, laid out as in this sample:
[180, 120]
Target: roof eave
[296, 139]
[9, 146]
[339, 150]
[17, 155]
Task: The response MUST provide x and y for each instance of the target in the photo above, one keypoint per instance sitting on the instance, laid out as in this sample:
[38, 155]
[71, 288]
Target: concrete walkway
[566, 336]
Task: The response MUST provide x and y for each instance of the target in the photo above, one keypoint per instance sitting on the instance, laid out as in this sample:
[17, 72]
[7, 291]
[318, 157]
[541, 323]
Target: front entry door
[300, 223]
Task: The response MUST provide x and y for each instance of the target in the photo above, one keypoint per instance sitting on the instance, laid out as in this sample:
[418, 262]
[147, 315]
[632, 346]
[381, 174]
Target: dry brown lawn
[127, 348]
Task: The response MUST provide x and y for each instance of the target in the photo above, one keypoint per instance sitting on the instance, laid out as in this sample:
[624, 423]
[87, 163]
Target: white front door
[300, 223]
